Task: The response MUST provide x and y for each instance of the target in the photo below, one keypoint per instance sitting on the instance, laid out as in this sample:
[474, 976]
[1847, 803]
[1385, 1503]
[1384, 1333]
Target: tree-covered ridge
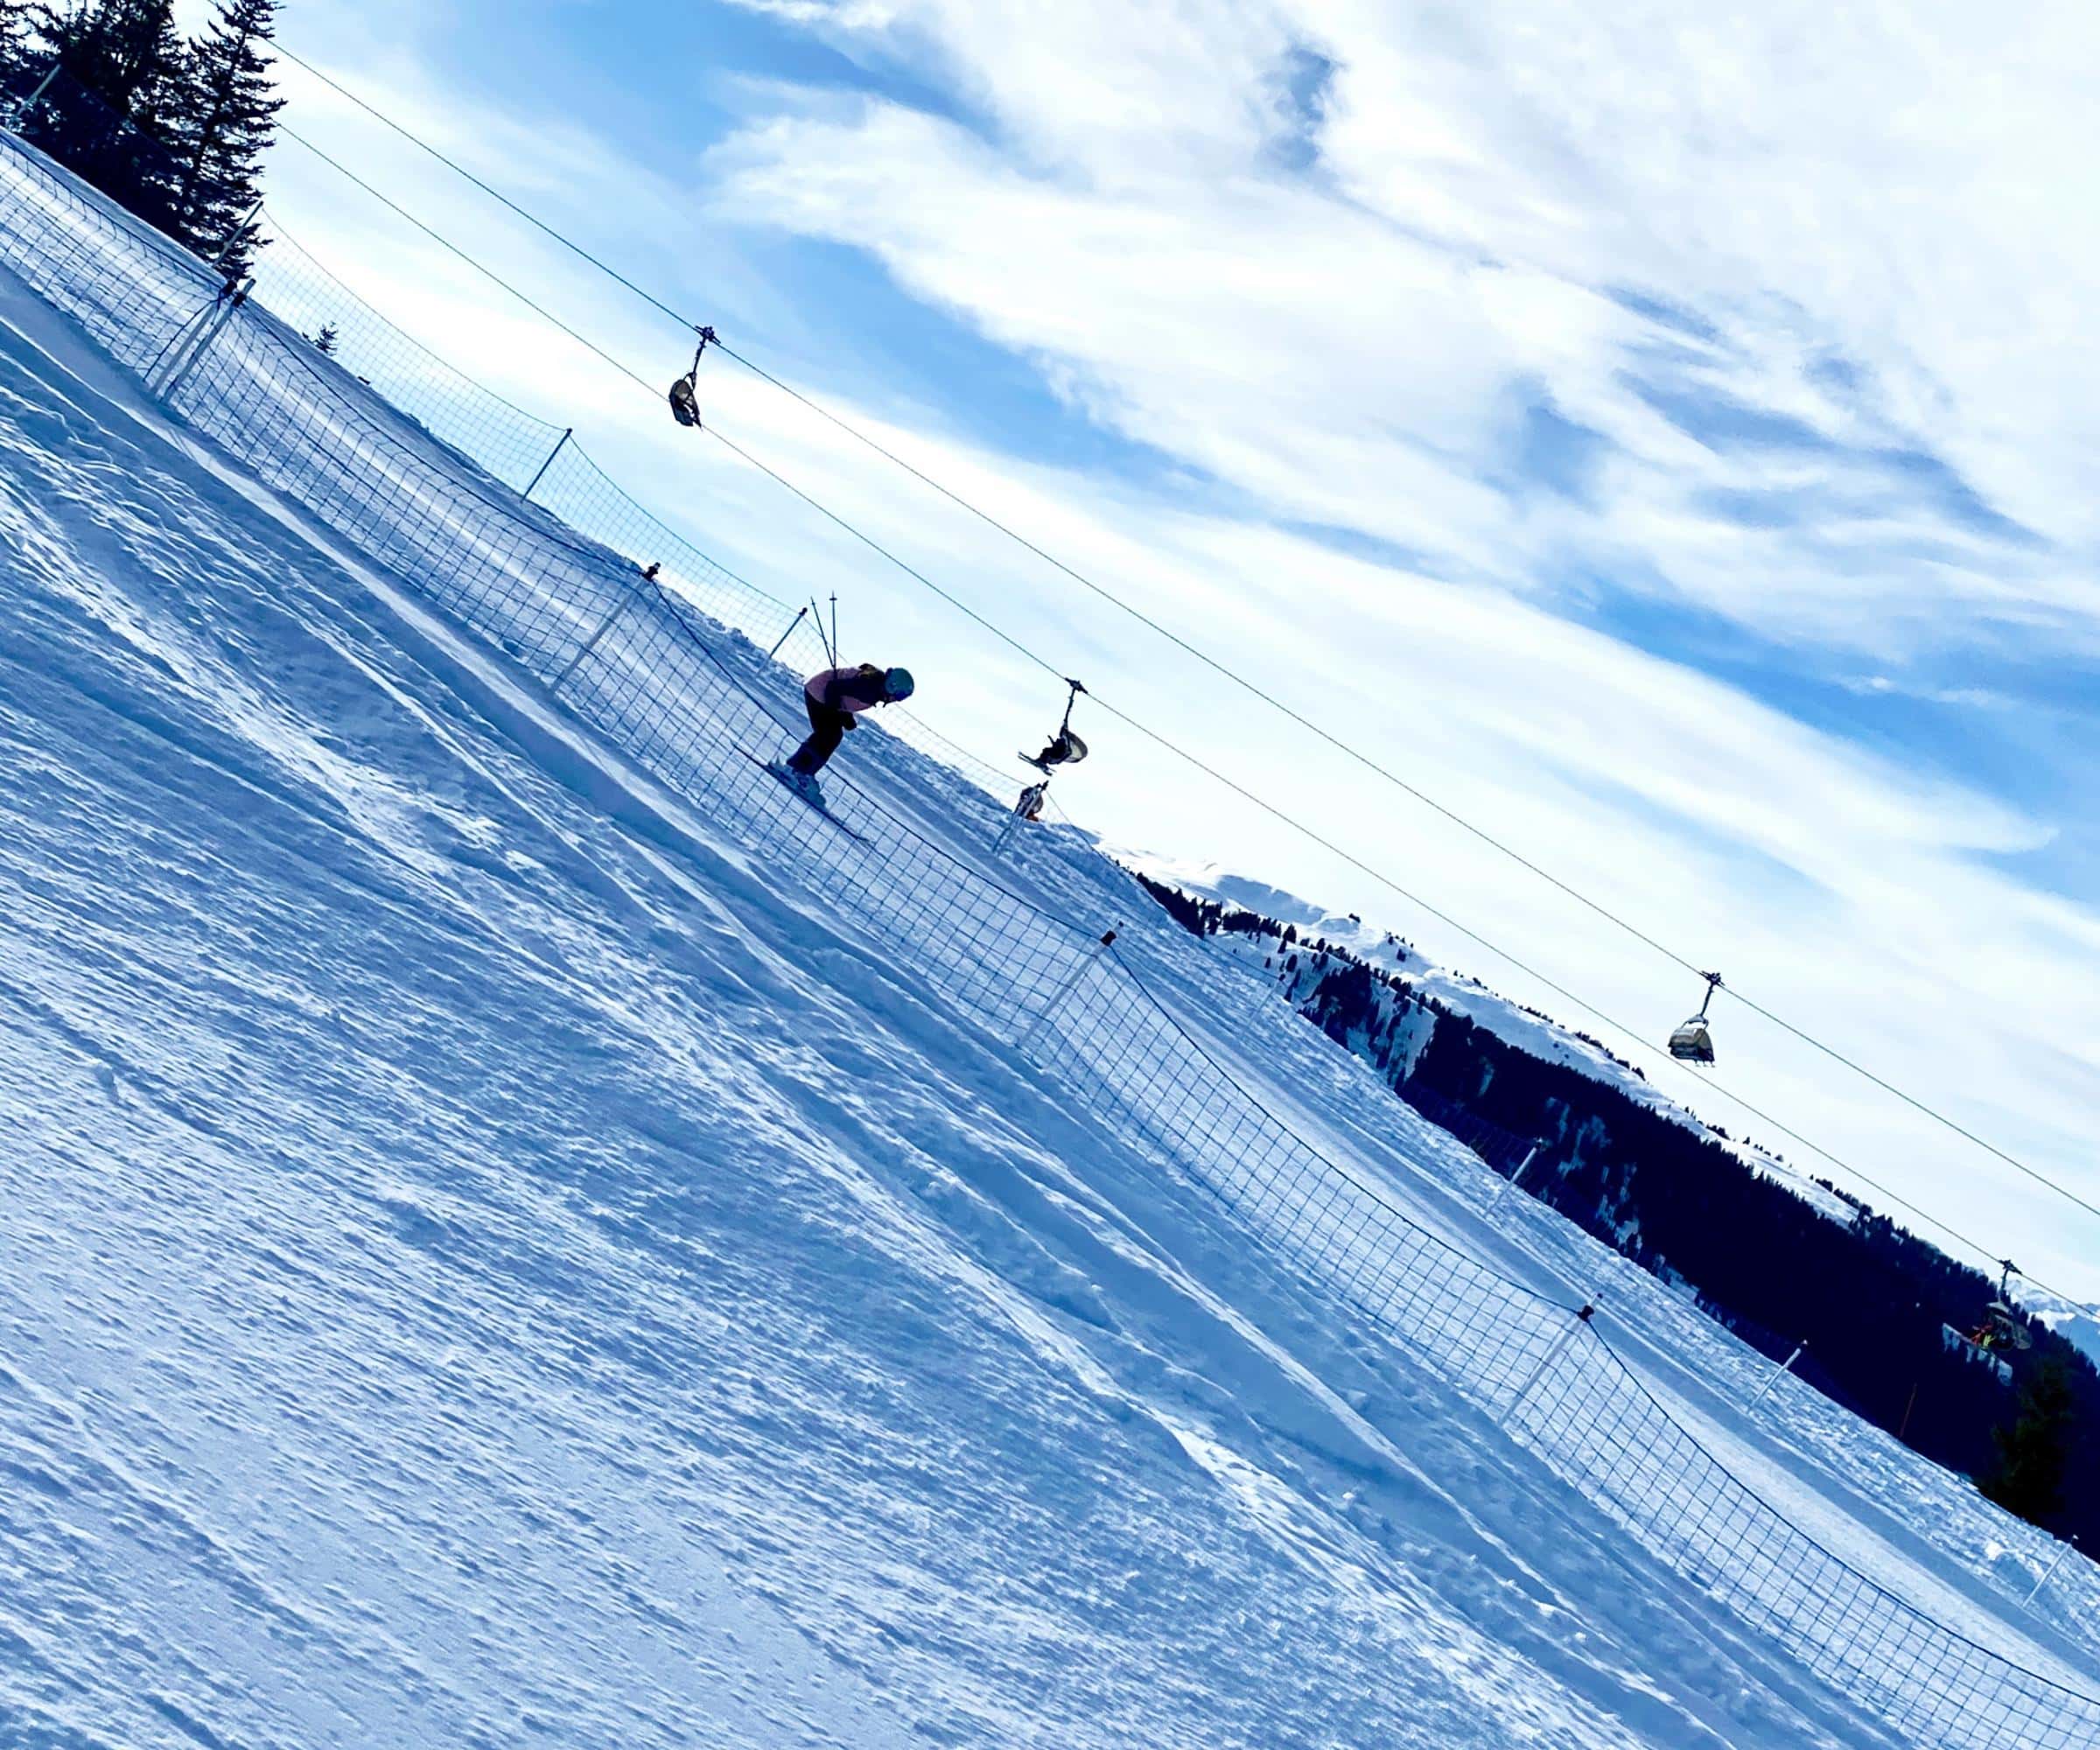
[1868, 1297]
[174, 130]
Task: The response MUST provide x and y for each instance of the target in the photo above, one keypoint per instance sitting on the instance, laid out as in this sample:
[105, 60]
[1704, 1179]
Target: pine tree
[221, 127]
[16, 57]
[121, 65]
[125, 52]
[2034, 1450]
[324, 342]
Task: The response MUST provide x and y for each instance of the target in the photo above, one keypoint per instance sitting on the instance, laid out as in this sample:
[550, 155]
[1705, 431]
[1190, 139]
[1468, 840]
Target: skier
[833, 698]
[685, 392]
[2000, 1330]
[1064, 747]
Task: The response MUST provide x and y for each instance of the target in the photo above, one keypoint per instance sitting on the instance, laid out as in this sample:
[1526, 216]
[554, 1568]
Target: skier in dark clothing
[1064, 748]
[833, 698]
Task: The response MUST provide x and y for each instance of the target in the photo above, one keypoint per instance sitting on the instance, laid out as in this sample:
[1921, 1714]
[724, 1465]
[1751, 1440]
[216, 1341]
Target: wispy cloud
[1539, 400]
[1515, 225]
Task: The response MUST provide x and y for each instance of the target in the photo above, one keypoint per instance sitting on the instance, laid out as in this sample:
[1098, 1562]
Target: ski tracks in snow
[478, 1268]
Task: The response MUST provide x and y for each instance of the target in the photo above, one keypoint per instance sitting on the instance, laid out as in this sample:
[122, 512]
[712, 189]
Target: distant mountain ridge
[1777, 1255]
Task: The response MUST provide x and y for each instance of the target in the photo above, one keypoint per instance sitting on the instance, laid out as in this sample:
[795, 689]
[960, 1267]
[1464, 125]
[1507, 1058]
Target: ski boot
[803, 784]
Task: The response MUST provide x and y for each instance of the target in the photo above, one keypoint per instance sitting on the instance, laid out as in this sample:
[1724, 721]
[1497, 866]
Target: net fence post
[177, 345]
[1051, 1004]
[1773, 1372]
[589, 643]
[234, 235]
[560, 444]
[18, 114]
[1515, 1178]
[2048, 1574]
[1583, 1315]
[230, 298]
[1006, 829]
[801, 614]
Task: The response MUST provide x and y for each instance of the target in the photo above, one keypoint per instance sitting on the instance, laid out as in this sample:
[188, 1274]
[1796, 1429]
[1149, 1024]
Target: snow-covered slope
[493, 1252]
[1916, 1491]
[2071, 1321]
[482, 1265]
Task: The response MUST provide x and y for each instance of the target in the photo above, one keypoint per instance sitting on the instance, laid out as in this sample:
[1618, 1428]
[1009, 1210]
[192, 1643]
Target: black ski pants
[828, 728]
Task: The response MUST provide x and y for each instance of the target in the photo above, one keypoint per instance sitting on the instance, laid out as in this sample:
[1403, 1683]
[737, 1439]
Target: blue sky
[1665, 439]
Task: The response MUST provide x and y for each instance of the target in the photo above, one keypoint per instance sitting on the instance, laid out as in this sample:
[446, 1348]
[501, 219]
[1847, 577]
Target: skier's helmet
[899, 685]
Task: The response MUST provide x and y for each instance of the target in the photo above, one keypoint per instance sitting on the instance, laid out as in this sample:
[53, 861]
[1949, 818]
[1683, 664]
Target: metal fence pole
[1582, 1323]
[1777, 1369]
[178, 344]
[801, 613]
[25, 109]
[234, 235]
[1064, 990]
[589, 644]
[559, 444]
[2062, 1550]
[221, 313]
[1014, 817]
[1514, 1179]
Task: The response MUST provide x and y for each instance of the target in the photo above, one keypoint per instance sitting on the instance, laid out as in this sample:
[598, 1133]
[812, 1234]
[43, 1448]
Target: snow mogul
[834, 699]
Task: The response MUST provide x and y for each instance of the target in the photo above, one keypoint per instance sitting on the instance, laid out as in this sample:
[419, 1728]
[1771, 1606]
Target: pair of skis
[786, 779]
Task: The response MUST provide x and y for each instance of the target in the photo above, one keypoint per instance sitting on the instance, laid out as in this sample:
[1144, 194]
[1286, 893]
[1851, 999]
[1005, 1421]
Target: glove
[851, 722]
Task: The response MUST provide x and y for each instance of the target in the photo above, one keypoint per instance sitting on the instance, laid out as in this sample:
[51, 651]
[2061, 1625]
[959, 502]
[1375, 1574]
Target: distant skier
[834, 699]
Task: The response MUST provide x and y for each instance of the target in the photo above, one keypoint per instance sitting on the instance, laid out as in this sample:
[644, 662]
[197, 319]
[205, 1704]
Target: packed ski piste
[576, 1171]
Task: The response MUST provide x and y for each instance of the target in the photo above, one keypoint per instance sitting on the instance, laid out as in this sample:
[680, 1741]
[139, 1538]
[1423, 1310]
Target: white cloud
[1362, 359]
[1346, 345]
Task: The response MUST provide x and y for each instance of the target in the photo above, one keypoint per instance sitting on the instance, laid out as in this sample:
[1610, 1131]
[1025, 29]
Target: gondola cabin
[1693, 1041]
